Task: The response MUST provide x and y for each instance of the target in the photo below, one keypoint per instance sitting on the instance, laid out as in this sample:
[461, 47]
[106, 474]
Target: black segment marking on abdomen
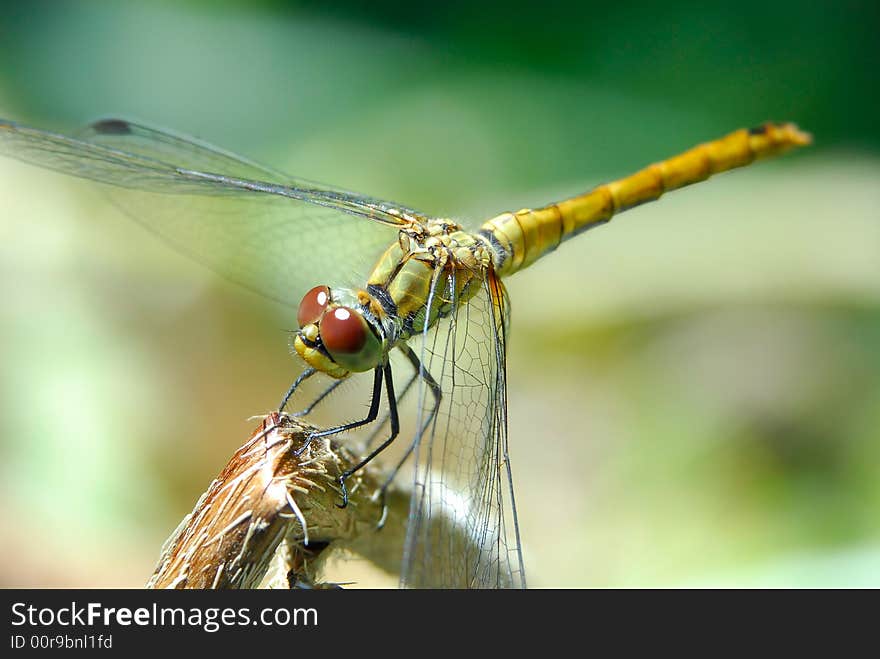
[112, 127]
[498, 248]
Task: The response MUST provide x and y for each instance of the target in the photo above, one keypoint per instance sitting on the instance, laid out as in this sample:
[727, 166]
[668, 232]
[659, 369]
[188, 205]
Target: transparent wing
[260, 228]
[462, 531]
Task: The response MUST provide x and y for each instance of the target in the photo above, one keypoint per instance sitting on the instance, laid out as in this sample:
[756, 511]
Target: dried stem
[274, 506]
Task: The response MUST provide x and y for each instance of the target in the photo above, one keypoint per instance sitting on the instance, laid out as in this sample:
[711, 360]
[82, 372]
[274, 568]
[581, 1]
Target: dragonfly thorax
[431, 270]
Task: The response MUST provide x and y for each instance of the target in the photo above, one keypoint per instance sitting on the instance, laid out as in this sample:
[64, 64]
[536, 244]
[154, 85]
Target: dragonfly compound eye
[348, 338]
[313, 305]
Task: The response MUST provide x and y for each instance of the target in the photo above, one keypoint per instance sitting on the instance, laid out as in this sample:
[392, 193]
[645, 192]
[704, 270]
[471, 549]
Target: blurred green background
[694, 389]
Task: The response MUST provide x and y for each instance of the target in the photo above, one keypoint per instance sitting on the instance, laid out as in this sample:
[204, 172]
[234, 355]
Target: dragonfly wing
[188, 153]
[463, 531]
[273, 234]
[165, 146]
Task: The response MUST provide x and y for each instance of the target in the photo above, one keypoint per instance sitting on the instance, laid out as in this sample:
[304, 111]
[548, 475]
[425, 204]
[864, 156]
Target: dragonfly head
[335, 336]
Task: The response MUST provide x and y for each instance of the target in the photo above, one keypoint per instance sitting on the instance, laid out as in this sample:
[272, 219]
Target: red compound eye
[343, 331]
[313, 305]
[349, 340]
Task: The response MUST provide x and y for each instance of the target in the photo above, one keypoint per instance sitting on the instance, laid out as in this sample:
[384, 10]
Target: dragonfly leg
[395, 429]
[400, 396]
[371, 415]
[422, 372]
[306, 374]
[308, 410]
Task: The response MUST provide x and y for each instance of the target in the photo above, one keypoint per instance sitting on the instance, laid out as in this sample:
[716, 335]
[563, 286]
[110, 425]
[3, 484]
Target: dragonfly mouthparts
[315, 355]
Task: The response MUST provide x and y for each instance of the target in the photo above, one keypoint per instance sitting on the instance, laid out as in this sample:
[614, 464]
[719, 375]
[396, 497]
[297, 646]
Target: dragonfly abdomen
[521, 238]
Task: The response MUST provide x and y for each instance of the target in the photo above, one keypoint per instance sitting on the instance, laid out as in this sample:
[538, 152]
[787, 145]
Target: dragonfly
[371, 278]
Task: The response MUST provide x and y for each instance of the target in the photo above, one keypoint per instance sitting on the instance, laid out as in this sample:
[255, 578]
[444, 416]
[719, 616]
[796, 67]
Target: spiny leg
[395, 429]
[309, 372]
[400, 396]
[438, 396]
[329, 390]
[371, 415]
[423, 373]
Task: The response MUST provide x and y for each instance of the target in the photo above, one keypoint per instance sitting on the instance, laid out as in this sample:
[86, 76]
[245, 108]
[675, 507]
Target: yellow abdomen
[523, 237]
